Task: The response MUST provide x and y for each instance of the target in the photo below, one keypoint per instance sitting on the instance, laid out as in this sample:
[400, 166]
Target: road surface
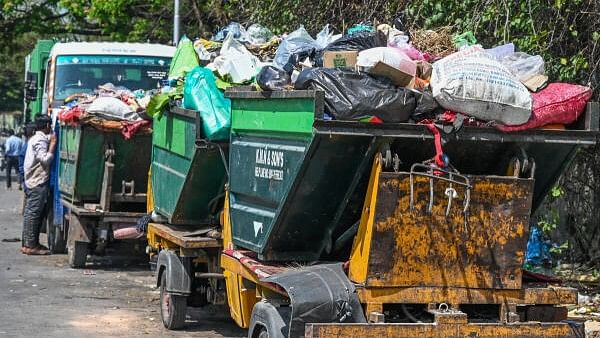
[115, 296]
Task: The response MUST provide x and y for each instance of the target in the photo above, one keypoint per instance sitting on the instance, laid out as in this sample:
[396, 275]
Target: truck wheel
[78, 254]
[268, 321]
[172, 307]
[263, 333]
[57, 241]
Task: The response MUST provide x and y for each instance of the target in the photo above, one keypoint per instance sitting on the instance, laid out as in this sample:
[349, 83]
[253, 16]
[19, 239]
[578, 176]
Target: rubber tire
[263, 333]
[78, 254]
[176, 308]
[57, 240]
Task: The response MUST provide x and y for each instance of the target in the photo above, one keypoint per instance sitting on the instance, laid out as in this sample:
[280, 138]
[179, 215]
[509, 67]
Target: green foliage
[556, 192]
[559, 249]
[564, 33]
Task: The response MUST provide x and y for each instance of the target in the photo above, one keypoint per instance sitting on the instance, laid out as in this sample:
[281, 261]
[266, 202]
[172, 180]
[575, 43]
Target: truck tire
[262, 333]
[268, 321]
[78, 254]
[57, 239]
[172, 307]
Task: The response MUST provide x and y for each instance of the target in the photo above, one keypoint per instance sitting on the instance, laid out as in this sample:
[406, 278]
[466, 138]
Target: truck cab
[80, 67]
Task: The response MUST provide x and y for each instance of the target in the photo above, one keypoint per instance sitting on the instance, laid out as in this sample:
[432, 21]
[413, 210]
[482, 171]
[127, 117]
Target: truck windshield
[84, 73]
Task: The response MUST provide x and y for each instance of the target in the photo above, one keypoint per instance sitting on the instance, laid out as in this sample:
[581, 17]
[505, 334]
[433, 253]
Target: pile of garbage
[109, 108]
[376, 74]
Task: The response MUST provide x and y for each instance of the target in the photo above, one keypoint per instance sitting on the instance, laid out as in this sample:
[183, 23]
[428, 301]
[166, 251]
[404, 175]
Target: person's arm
[43, 155]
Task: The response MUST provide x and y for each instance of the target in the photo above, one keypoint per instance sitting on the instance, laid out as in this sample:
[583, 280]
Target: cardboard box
[398, 77]
[340, 59]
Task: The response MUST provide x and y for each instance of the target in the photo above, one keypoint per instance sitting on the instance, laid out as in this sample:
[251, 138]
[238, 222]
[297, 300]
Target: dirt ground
[114, 296]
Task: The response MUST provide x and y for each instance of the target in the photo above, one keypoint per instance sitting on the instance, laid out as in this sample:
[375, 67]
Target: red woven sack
[560, 103]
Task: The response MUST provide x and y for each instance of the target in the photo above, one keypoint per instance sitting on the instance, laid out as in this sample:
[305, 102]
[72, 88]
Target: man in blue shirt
[12, 148]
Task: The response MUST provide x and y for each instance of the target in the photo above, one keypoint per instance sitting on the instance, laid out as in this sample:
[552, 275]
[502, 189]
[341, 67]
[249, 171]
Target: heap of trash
[109, 108]
[380, 74]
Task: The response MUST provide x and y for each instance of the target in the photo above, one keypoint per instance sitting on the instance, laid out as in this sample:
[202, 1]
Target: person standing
[22, 152]
[12, 147]
[38, 160]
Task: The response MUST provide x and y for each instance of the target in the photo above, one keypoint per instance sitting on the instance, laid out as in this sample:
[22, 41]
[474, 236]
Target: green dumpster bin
[188, 173]
[290, 186]
[83, 151]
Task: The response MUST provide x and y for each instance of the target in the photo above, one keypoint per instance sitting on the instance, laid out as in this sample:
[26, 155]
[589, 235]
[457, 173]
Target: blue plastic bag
[200, 93]
[538, 250]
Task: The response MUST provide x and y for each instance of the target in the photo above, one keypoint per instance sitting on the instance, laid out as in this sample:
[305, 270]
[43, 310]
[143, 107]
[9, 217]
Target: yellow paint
[359, 257]
[149, 193]
[227, 235]
[439, 329]
[239, 299]
[450, 295]
[415, 248]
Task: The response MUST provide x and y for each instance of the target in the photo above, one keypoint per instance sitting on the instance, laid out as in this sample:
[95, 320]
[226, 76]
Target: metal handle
[454, 178]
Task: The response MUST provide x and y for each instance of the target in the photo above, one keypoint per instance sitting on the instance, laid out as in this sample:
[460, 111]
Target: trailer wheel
[57, 240]
[268, 321]
[262, 333]
[172, 307]
[78, 254]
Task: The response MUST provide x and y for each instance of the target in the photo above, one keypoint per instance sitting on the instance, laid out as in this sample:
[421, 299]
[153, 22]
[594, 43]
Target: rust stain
[415, 248]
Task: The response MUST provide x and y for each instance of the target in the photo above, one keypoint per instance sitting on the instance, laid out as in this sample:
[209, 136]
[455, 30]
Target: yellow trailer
[337, 229]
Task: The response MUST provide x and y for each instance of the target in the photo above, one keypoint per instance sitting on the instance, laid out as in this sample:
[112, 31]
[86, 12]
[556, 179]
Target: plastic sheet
[237, 30]
[273, 78]
[235, 62]
[200, 93]
[350, 95]
[499, 52]
[258, 34]
[112, 108]
[388, 55]
[297, 42]
[325, 37]
[523, 65]
[184, 60]
[538, 250]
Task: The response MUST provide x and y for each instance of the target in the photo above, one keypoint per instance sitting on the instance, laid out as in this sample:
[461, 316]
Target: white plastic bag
[390, 56]
[112, 108]
[299, 41]
[326, 37]
[523, 65]
[499, 52]
[472, 82]
[236, 61]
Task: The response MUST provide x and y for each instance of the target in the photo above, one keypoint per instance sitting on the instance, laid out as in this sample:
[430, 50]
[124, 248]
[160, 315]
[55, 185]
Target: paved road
[113, 297]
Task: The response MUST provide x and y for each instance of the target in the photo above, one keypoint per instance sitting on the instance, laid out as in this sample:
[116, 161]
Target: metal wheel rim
[165, 304]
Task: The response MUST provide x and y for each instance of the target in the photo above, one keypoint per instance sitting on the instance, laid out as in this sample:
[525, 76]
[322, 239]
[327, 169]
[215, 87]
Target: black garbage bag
[427, 106]
[359, 41]
[272, 78]
[350, 95]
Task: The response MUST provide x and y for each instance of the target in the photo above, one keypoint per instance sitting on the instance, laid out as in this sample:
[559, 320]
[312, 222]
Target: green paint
[185, 177]
[82, 157]
[294, 115]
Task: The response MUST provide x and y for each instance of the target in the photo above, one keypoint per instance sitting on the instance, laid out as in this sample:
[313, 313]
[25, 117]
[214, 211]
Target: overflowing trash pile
[109, 108]
[377, 74]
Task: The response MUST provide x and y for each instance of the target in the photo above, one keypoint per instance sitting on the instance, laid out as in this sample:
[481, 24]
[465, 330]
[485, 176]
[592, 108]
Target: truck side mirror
[31, 86]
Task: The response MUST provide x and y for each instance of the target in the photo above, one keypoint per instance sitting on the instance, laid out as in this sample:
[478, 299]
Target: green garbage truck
[98, 178]
[343, 228]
